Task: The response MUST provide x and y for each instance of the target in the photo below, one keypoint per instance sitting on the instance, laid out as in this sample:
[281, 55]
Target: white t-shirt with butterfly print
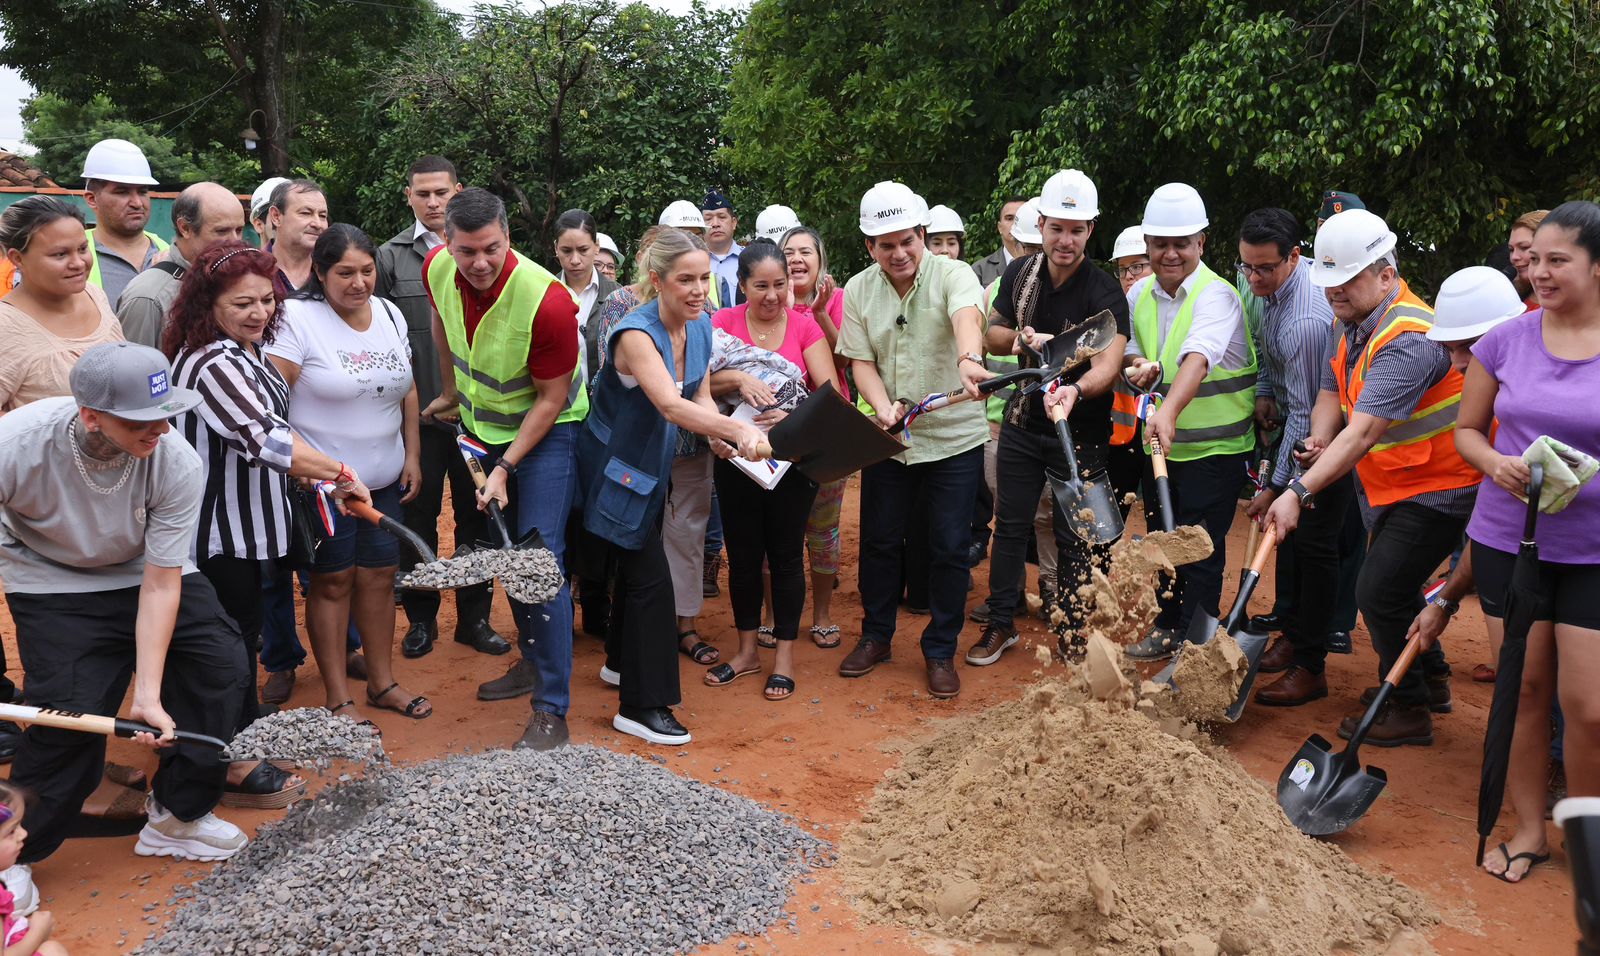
[350, 397]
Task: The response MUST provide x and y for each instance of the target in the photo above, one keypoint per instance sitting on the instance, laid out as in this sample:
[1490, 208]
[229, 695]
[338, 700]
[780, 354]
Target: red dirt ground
[819, 755]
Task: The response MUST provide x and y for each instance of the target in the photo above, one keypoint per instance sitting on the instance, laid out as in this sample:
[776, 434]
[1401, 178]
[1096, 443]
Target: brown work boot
[516, 681]
[1297, 686]
[943, 681]
[1278, 658]
[866, 656]
[1396, 726]
[1439, 701]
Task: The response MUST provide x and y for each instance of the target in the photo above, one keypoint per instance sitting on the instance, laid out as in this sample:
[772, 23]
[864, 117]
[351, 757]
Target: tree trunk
[268, 85]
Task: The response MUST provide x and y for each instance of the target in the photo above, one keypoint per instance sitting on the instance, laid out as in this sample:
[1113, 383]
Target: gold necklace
[762, 336]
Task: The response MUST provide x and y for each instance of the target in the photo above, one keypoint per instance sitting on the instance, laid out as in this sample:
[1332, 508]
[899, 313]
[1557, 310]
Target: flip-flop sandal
[700, 652]
[764, 637]
[265, 788]
[1534, 859]
[114, 801]
[825, 637]
[725, 674]
[376, 731]
[126, 776]
[779, 682]
[409, 710]
[1483, 674]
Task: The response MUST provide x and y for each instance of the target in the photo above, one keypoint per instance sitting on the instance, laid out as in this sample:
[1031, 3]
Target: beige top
[35, 363]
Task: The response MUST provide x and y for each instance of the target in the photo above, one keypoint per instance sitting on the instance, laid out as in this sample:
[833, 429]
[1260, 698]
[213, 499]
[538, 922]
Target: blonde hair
[660, 254]
[1530, 220]
[641, 282]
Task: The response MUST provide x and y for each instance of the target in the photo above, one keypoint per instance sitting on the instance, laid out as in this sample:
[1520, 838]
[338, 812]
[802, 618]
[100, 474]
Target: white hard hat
[942, 218]
[263, 195]
[1130, 242]
[927, 214]
[1026, 227]
[683, 214]
[118, 161]
[1347, 243]
[1069, 194]
[1174, 209]
[773, 221]
[890, 207]
[608, 244]
[1473, 301]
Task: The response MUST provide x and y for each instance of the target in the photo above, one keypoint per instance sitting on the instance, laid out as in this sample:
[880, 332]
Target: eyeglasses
[1258, 271]
[1133, 269]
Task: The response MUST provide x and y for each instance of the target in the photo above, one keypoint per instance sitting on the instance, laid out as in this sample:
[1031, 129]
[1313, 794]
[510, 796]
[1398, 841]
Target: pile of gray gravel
[578, 850]
[529, 575]
[307, 737]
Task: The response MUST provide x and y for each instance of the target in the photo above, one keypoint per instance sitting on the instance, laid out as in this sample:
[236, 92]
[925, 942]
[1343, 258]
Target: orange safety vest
[8, 277]
[1417, 455]
[1124, 413]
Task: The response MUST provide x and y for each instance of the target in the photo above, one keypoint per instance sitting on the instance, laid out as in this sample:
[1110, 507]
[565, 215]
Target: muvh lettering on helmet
[888, 213]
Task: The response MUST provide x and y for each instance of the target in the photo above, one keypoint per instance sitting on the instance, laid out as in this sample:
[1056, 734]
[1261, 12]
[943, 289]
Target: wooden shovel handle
[1403, 663]
[763, 450]
[1263, 552]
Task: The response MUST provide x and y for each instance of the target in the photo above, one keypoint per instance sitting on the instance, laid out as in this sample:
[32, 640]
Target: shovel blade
[1090, 508]
[1253, 645]
[1322, 793]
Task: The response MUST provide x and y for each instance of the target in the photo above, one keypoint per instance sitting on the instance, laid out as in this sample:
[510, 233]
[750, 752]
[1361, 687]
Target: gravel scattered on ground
[309, 737]
[579, 850]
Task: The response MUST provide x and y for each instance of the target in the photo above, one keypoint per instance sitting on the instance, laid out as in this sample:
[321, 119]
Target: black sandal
[1534, 859]
[376, 732]
[409, 710]
[725, 674]
[700, 652]
[779, 682]
[264, 788]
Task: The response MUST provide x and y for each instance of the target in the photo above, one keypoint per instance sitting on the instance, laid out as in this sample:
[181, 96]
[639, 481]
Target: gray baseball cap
[129, 381]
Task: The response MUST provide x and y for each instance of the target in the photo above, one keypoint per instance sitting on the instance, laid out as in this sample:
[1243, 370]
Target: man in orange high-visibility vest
[1387, 409]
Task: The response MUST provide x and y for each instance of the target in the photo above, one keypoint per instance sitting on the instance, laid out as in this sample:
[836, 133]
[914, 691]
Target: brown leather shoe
[1395, 726]
[279, 685]
[1297, 686]
[866, 656]
[943, 681]
[1278, 658]
[1439, 701]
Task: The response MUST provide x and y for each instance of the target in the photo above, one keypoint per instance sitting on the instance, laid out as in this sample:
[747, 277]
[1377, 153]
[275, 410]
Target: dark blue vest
[625, 446]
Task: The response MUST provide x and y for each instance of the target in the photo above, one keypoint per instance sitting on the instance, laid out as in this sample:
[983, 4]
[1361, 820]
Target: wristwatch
[970, 357]
[1444, 604]
[1307, 499]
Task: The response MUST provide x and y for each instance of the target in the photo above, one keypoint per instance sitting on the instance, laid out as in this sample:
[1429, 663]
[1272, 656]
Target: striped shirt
[1296, 322]
[242, 433]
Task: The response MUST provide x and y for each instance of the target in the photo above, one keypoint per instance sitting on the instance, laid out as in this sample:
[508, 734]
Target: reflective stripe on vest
[1417, 455]
[94, 257]
[1220, 419]
[493, 383]
[1124, 413]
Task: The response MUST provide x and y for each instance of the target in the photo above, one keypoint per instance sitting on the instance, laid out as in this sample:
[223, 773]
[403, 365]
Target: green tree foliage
[613, 109]
[1450, 118]
[62, 133]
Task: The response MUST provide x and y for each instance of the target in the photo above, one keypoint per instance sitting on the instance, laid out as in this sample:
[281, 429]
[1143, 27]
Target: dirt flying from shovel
[1079, 826]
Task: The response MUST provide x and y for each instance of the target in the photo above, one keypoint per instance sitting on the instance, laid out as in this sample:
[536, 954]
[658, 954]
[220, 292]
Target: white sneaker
[207, 839]
[609, 676]
[19, 880]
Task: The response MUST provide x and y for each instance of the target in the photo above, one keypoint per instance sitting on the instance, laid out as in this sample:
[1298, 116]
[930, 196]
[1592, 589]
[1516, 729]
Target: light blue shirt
[725, 269]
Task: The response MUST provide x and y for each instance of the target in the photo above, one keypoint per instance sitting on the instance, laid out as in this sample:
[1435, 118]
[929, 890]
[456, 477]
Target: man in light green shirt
[913, 325]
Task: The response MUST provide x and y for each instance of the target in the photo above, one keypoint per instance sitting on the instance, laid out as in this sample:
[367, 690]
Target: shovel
[471, 452]
[1090, 507]
[1203, 627]
[412, 540]
[94, 724]
[1324, 793]
[828, 438]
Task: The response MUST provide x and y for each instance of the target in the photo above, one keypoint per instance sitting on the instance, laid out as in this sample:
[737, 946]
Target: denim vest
[625, 447]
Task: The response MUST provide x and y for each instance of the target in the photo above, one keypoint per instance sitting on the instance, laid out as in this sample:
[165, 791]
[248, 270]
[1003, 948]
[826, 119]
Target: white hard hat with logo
[1473, 301]
[1026, 228]
[942, 218]
[608, 244]
[1130, 242]
[1347, 243]
[263, 196]
[1174, 209]
[1069, 194]
[773, 221]
[682, 214]
[118, 161]
[890, 207]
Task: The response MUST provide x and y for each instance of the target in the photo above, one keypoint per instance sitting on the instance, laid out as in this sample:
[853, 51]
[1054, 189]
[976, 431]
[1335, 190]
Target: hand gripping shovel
[1324, 793]
[1090, 507]
[1203, 627]
[472, 453]
[94, 724]
[527, 569]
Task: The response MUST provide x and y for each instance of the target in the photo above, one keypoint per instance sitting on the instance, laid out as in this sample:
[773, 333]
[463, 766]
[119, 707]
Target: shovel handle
[1064, 433]
[95, 724]
[479, 479]
[365, 511]
[1247, 586]
[763, 450]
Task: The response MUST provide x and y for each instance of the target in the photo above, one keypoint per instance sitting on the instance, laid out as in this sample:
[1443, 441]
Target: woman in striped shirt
[231, 301]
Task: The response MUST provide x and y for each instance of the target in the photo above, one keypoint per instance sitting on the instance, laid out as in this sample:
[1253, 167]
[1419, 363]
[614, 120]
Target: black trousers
[1352, 542]
[1408, 543]
[237, 582]
[441, 460]
[642, 637]
[1125, 464]
[78, 651]
[1020, 465]
[1205, 492]
[982, 514]
[1315, 546]
[591, 563]
[765, 527]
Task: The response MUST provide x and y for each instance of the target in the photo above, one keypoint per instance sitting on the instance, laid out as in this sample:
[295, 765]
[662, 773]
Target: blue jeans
[887, 492]
[714, 527]
[547, 489]
[281, 649]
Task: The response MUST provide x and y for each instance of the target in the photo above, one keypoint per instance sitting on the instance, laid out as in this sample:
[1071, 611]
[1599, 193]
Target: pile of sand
[1080, 826]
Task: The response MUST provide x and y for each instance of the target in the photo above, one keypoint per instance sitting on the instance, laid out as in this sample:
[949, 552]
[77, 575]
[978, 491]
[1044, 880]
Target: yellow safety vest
[94, 257]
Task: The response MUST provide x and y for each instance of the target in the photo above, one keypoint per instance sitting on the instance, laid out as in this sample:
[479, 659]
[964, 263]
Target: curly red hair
[190, 324]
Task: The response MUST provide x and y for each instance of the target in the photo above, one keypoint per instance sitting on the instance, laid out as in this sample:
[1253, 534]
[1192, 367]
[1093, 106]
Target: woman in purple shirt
[1535, 375]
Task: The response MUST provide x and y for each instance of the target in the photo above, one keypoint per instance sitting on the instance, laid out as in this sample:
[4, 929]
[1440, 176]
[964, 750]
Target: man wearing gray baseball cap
[99, 503]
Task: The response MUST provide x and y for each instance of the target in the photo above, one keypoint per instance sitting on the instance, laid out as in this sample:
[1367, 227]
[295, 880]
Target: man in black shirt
[1039, 296]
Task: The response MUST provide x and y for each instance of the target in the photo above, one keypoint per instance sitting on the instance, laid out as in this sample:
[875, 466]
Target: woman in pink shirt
[759, 525]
